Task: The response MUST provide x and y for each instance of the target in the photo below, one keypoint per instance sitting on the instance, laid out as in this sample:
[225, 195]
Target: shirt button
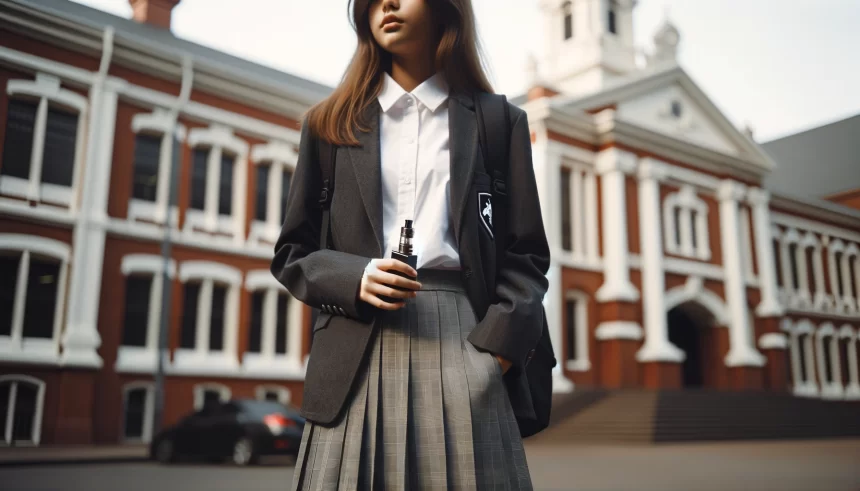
[409, 102]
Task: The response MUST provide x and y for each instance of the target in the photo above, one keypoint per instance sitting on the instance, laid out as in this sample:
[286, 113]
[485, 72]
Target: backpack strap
[327, 154]
[494, 128]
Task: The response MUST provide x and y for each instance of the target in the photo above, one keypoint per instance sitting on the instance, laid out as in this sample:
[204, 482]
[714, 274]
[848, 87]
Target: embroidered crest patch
[485, 211]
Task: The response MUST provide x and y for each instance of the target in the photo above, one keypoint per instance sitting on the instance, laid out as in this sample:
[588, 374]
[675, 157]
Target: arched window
[275, 163]
[33, 273]
[567, 12]
[208, 393]
[22, 400]
[43, 148]
[138, 402]
[685, 218]
[274, 393]
[274, 327]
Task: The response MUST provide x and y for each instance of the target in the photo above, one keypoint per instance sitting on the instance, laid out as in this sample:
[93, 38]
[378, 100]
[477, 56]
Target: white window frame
[747, 246]
[36, 433]
[852, 387]
[818, 299]
[200, 360]
[809, 387]
[156, 123]
[280, 157]
[581, 362]
[148, 410]
[687, 202]
[583, 212]
[284, 394]
[137, 359]
[268, 363]
[830, 389]
[851, 254]
[15, 347]
[219, 138]
[47, 90]
[200, 390]
[839, 301]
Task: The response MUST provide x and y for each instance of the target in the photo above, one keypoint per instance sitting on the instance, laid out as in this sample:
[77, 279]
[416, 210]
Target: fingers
[388, 264]
[387, 278]
[378, 302]
[381, 289]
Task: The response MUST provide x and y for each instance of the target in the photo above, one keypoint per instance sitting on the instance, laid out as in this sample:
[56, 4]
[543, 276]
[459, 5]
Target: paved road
[801, 466]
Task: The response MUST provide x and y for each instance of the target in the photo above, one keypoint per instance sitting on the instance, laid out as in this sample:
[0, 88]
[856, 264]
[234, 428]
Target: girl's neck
[412, 71]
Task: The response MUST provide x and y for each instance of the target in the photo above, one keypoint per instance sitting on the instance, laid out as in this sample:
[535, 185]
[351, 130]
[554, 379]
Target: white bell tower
[588, 43]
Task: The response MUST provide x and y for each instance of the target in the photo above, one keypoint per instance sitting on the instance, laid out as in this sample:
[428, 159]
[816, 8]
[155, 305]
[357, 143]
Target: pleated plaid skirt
[428, 411]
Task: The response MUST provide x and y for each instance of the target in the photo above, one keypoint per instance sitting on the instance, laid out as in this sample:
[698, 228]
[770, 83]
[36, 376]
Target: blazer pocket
[322, 320]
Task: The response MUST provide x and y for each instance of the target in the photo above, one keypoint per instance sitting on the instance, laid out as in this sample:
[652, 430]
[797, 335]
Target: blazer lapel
[366, 164]
[463, 138]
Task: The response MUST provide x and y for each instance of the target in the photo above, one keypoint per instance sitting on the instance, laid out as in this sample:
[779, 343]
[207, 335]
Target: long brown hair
[457, 58]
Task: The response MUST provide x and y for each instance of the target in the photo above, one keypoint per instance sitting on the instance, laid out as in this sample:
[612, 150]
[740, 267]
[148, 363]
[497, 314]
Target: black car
[239, 430]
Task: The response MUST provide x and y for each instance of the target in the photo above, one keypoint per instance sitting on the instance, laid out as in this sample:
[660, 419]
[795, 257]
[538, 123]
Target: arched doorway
[690, 326]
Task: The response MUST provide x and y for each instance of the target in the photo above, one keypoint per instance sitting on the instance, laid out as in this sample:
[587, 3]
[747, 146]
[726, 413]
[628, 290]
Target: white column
[213, 189]
[591, 232]
[612, 164]
[847, 298]
[274, 213]
[798, 384]
[657, 346]
[742, 351]
[553, 305]
[769, 305]
[81, 338]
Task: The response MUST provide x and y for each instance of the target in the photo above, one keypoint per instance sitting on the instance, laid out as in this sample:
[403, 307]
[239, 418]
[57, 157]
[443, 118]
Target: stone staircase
[646, 416]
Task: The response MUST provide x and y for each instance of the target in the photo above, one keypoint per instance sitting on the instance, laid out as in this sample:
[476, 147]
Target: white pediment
[672, 111]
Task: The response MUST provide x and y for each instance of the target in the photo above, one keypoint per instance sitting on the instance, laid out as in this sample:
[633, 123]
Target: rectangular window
[777, 260]
[568, 25]
[211, 398]
[225, 195]
[852, 277]
[570, 328]
[199, 163]
[286, 178]
[255, 333]
[58, 160]
[693, 214]
[24, 412]
[676, 218]
[189, 316]
[612, 24]
[566, 232]
[216, 324]
[135, 411]
[42, 284]
[272, 396]
[837, 259]
[147, 152]
[8, 283]
[137, 291]
[18, 144]
[810, 268]
[262, 192]
[281, 326]
[795, 278]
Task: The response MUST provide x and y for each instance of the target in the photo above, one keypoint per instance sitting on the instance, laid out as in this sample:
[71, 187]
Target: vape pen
[403, 253]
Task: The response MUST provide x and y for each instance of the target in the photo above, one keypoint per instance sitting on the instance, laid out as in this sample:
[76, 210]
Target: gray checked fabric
[428, 411]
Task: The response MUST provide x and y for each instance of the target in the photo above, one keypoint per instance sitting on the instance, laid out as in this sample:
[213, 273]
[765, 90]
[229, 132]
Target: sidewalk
[71, 454]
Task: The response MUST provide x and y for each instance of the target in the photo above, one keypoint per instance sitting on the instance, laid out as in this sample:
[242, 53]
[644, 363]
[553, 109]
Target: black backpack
[494, 132]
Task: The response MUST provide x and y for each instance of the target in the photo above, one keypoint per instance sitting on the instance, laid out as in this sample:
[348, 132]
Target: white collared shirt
[415, 156]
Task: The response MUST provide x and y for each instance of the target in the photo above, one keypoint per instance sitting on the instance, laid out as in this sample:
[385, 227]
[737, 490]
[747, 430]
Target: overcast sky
[780, 65]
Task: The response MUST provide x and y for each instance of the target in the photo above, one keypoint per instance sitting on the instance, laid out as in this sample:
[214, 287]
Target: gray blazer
[509, 325]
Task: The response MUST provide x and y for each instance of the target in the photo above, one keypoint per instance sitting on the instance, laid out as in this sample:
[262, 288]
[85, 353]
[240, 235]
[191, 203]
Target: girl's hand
[376, 281]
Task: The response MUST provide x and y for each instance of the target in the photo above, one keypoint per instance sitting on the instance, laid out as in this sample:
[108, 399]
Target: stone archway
[691, 328]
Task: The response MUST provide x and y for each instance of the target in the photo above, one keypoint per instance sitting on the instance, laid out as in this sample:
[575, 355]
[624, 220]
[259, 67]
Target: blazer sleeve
[315, 277]
[512, 326]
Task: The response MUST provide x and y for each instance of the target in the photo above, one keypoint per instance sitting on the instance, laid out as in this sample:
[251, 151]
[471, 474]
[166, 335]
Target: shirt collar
[431, 92]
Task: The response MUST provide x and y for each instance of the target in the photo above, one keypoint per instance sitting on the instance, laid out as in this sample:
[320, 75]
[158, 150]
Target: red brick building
[676, 263]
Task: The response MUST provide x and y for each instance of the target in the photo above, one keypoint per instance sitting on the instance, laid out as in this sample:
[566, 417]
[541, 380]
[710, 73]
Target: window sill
[198, 221]
[133, 359]
[151, 211]
[52, 194]
[263, 232]
[279, 367]
[36, 351]
[191, 362]
[577, 365]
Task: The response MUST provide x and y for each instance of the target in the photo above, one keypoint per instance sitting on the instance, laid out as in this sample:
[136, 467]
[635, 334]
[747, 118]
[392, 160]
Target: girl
[406, 381]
